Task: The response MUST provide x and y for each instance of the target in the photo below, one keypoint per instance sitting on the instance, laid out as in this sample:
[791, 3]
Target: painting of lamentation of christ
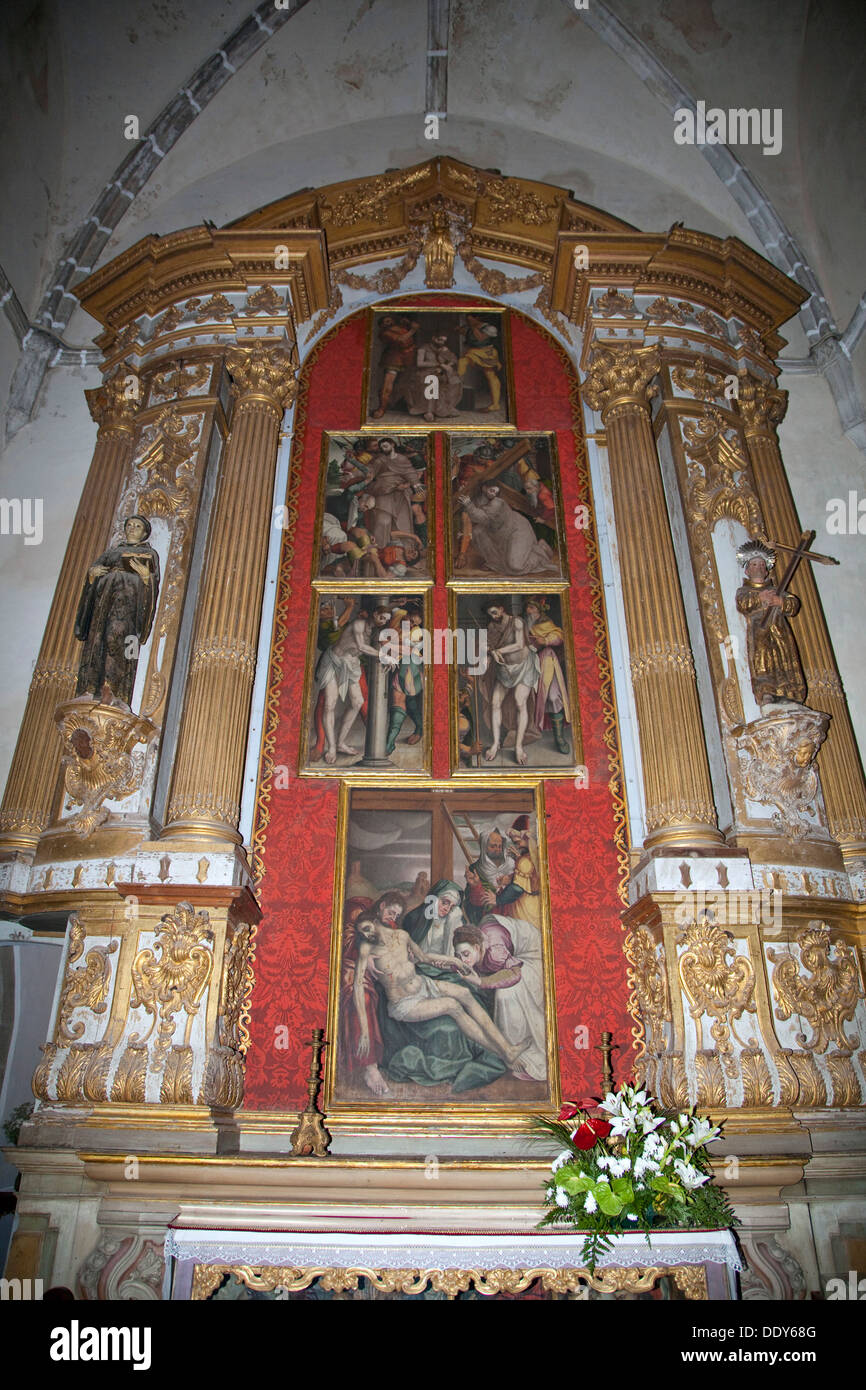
[504, 515]
[365, 695]
[374, 520]
[438, 367]
[443, 975]
[520, 710]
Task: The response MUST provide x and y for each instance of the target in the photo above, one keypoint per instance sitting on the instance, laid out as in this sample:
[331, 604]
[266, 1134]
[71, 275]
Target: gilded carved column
[206, 783]
[26, 808]
[678, 792]
[763, 407]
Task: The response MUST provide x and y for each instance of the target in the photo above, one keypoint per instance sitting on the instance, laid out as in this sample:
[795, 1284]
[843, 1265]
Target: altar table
[703, 1264]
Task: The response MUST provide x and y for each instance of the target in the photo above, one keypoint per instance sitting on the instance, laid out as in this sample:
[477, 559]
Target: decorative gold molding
[827, 996]
[114, 405]
[176, 981]
[610, 1280]
[619, 377]
[85, 986]
[761, 405]
[98, 760]
[264, 374]
[715, 984]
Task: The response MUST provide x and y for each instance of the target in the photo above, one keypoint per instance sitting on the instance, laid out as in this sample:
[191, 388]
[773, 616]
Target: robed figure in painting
[115, 615]
[774, 661]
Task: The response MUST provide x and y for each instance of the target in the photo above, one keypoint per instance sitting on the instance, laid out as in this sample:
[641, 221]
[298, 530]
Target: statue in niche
[774, 661]
[115, 615]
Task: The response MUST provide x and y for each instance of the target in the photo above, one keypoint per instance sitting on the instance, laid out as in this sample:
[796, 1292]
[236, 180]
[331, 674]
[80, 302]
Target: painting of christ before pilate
[374, 516]
[438, 367]
[505, 515]
[364, 705]
[442, 986]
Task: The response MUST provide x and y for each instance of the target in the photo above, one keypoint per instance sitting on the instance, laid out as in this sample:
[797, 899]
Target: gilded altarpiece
[327, 848]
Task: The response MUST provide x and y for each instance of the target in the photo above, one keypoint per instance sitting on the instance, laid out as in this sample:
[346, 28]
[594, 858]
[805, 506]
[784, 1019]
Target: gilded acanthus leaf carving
[177, 381]
[174, 982]
[98, 761]
[827, 996]
[369, 201]
[650, 985]
[264, 371]
[620, 374]
[265, 300]
[85, 986]
[715, 983]
[719, 485]
[761, 405]
[701, 382]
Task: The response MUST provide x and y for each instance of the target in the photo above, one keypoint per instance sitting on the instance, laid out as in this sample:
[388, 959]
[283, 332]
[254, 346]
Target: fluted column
[27, 802]
[208, 769]
[678, 792]
[762, 407]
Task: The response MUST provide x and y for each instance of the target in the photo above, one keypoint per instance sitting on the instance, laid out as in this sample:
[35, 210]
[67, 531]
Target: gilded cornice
[159, 270]
[721, 274]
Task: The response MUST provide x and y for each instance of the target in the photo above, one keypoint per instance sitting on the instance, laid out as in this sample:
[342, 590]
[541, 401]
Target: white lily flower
[688, 1175]
[649, 1122]
[611, 1103]
[590, 1204]
[702, 1132]
[561, 1197]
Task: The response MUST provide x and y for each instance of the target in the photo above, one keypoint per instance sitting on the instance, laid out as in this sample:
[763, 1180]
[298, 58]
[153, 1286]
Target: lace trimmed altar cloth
[187, 1247]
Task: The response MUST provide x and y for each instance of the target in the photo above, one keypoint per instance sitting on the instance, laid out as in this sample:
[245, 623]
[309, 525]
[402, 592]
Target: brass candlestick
[310, 1137]
[606, 1048]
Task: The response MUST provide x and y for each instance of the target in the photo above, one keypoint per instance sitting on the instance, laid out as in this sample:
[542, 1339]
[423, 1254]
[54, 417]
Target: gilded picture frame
[470, 370]
[345, 1096]
[525, 470]
[544, 733]
[349, 537]
[408, 757]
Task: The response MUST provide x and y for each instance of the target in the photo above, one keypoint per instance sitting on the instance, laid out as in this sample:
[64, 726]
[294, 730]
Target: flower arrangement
[630, 1168]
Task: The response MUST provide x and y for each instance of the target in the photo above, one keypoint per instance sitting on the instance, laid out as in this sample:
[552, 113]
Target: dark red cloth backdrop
[295, 833]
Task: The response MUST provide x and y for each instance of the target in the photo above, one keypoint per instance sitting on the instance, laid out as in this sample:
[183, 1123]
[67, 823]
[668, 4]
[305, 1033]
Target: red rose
[588, 1134]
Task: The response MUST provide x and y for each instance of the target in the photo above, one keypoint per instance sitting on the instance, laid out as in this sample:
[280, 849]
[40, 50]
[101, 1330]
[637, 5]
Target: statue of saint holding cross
[774, 661]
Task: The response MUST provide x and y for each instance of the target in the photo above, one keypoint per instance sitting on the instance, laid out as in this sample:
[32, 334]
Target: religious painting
[505, 515]
[365, 697]
[442, 980]
[374, 515]
[438, 368]
[513, 688]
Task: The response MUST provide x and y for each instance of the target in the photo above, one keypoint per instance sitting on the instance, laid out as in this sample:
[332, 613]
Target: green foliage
[645, 1170]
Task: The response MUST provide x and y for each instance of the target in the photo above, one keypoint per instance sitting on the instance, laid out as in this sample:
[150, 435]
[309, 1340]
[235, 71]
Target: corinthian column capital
[762, 406]
[114, 404]
[266, 374]
[620, 376]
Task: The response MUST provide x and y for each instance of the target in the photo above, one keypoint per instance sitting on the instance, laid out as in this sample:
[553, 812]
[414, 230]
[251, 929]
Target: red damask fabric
[295, 832]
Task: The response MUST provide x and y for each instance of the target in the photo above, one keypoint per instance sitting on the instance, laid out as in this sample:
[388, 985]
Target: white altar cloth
[190, 1246]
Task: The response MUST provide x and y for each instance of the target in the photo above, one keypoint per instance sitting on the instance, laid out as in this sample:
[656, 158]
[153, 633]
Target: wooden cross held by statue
[310, 1137]
[797, 553]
